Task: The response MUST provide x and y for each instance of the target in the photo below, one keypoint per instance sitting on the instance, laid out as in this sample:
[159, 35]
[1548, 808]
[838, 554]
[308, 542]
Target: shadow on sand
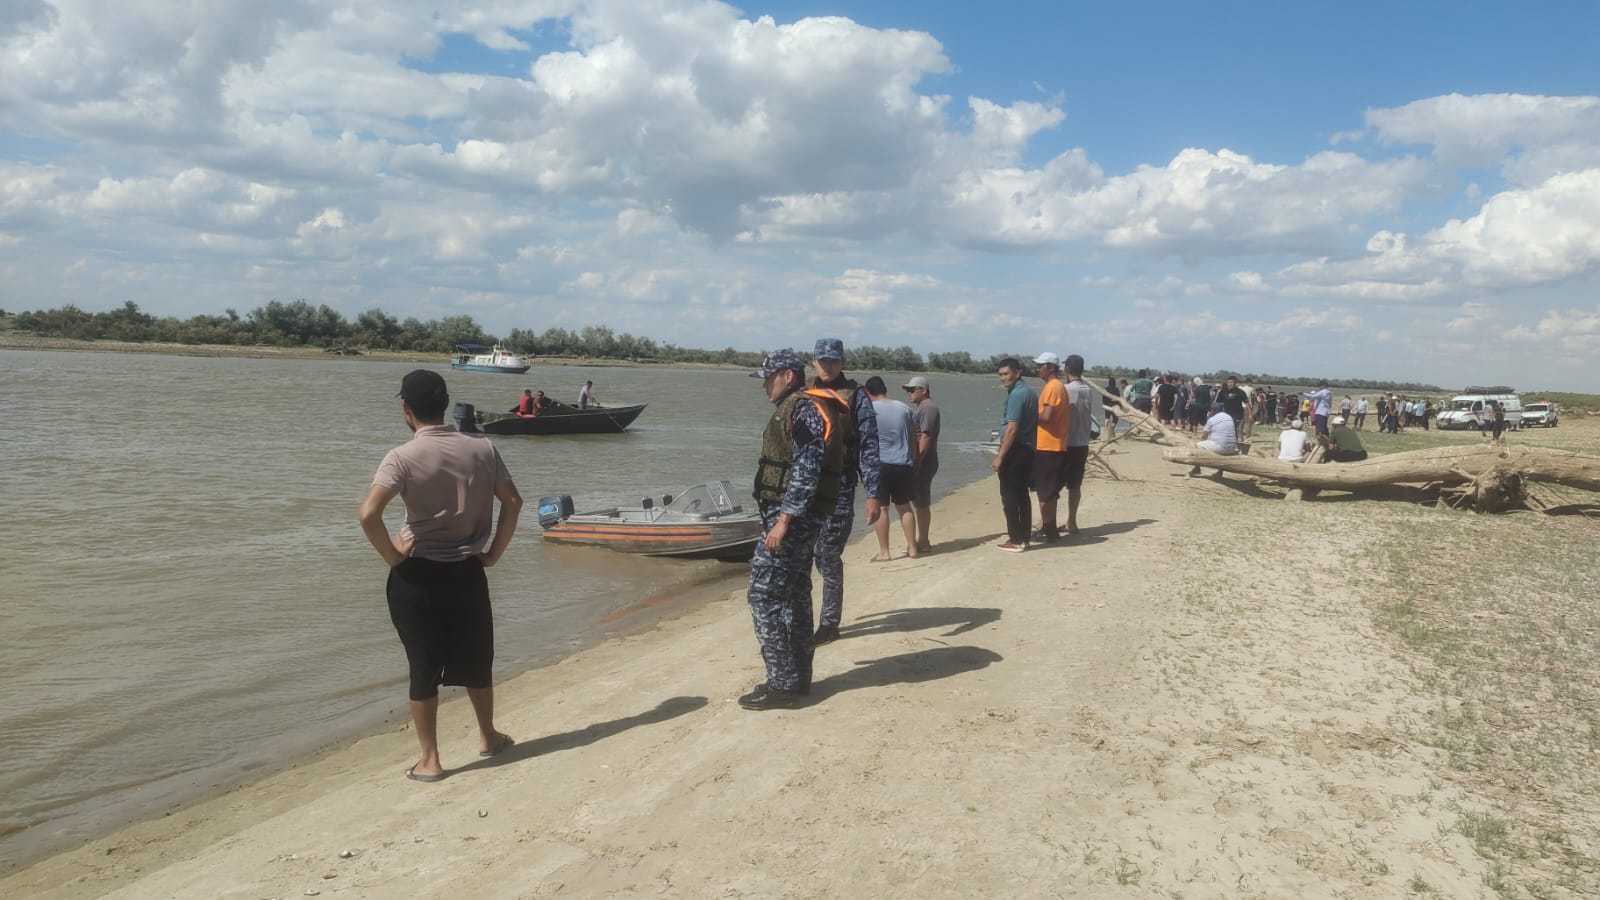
[583, 737]
[1092, 534]
[963, 618]
[906, 668]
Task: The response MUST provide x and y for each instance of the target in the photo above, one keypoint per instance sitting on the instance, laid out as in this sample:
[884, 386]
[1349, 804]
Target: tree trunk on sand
[1442, 465]
[1307, 493]
[1137, 420]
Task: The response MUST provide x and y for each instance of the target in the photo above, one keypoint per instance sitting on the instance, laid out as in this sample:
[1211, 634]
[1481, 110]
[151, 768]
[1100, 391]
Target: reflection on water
[188, 597]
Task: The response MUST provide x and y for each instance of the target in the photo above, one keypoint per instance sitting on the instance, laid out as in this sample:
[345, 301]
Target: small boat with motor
[702, 522]
[478, 358]
[556, 418]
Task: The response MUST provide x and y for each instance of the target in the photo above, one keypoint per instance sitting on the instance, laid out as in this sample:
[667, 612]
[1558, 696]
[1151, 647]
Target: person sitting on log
[1219, 436]
[1343, 445]
[1292, 443]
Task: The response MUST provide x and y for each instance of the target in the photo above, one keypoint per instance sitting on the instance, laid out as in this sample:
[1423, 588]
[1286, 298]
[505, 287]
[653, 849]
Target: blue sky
[1406, 191]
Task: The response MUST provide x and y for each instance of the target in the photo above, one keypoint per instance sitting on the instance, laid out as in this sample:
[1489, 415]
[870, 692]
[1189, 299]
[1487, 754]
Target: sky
[1398, 191]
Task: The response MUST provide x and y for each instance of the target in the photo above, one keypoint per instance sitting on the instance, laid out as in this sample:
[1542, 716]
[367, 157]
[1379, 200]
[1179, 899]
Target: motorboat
[555, 418]
[478, 358]
[702, 522]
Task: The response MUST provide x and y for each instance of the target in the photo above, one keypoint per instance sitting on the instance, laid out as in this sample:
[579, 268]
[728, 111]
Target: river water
[187, 601]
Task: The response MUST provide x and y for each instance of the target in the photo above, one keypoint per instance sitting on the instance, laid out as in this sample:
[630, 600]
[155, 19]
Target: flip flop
[505, 741]
[425, 778]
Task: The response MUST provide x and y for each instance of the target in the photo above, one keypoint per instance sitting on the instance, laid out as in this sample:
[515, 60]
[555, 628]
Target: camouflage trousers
[830, 555]
[780, 600]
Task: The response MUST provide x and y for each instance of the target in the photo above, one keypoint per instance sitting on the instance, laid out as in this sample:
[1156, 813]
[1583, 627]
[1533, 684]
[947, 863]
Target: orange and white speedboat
[702, 522]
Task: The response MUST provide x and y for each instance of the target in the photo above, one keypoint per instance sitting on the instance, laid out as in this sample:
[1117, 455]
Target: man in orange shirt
[1050, 444]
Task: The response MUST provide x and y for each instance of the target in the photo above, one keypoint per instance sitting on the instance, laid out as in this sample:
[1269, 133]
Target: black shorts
[1077, 459]
[1142, 404]
[922, 495]
[1049, 470]
[895, 484]
[441, 612]
[1197, 415]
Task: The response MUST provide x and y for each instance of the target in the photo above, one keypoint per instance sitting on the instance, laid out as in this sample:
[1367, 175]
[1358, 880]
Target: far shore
[13, 341]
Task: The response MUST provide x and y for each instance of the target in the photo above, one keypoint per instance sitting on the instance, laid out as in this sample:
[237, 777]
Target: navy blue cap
[829, 348]
[777, 361]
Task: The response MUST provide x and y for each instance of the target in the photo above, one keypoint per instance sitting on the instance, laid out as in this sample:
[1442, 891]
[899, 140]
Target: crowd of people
[827, 436]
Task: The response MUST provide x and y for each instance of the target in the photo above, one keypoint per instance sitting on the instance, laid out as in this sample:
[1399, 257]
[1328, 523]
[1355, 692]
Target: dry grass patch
[1503, 612]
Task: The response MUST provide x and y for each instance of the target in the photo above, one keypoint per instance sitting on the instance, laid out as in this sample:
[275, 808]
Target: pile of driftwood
[1485, 477]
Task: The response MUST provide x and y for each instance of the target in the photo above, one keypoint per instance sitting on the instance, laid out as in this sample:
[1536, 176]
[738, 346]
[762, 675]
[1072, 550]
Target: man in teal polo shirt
[1014, 461]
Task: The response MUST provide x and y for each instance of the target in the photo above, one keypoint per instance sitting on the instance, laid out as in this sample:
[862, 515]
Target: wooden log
[1445, 465]
[1305, 493]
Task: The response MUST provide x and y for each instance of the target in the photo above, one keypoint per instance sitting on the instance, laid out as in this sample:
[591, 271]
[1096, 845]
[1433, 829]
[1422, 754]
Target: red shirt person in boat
[530, 406]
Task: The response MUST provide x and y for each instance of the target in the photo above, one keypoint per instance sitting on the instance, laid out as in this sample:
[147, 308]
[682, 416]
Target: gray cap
[915, 381]
[829, 348]
[777, 361]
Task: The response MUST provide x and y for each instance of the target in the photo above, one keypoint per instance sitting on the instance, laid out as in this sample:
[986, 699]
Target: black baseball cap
[422, 385]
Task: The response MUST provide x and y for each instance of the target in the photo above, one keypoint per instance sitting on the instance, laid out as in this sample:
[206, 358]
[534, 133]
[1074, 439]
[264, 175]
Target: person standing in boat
[437, 589]
[586, 396]
[860, 465]
[798, 480]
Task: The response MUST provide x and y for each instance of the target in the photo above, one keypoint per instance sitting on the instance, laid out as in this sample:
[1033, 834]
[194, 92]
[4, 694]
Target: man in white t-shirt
[1292, 443]
[1219, 436]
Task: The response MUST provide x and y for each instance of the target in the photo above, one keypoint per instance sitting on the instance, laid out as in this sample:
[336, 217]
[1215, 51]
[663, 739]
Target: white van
[1471, 409]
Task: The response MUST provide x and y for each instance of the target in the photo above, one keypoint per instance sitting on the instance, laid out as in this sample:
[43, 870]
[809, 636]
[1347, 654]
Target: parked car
[1544, 414]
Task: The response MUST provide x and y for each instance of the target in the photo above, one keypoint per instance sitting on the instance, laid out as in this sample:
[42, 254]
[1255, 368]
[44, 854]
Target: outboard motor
[553, 509]
[466, 418]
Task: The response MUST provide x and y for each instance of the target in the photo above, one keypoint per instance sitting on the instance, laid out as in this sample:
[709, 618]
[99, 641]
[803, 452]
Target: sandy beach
[1142, 710]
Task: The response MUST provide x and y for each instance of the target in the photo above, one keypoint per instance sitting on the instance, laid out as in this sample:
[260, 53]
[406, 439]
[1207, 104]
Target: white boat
[472, 358]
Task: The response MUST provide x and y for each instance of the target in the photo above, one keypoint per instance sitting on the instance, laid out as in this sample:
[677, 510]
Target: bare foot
[881, 558]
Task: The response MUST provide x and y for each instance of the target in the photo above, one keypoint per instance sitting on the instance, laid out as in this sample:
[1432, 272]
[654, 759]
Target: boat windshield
[713, 498]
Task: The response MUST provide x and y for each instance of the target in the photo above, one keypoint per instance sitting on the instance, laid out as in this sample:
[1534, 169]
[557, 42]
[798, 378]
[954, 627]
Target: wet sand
[1126, 713]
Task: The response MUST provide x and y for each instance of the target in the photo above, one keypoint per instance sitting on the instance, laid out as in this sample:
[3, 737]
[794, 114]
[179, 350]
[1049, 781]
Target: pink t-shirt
[447, 480]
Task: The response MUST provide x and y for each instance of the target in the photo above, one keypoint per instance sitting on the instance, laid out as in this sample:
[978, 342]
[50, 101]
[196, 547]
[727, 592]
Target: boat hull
[501, 370]
[725, 539]
[563, 420]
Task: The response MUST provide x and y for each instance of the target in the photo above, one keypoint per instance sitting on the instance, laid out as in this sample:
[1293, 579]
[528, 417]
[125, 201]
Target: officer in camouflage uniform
[861, 464]
[796, 486]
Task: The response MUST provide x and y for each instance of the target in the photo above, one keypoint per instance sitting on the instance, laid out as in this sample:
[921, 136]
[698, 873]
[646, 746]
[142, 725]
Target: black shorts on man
[1072, 466]
[441, 612]
[896, 483]
[1049, 473]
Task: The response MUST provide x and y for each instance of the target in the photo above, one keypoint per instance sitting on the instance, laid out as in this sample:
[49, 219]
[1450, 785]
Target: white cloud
[1484, 129]
[863, 290]
[674, 166]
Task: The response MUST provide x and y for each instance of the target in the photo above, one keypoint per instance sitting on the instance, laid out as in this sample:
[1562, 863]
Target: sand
[1141, 710]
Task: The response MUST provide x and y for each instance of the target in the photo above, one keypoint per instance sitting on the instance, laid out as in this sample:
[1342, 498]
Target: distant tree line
[299, 324]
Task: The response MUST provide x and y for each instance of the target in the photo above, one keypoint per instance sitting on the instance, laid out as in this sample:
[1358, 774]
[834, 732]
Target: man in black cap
[797, 483]
[438, 592]
[860, 464]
